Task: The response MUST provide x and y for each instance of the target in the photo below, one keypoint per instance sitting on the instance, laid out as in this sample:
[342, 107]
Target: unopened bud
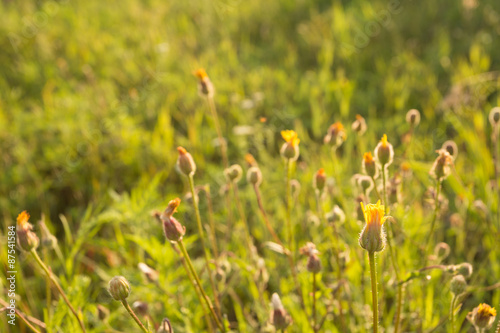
[150, 273]
[464, 269]
[165, 327]
[369, 166]
[102, 312]
[319, 180]
[279, 317]
[359, 125]
[413, 117]
[26, 238]
[172, 228]
[254, 176]
[205, 86]
[442, 165]
[336, 215]
[366, 183]
[458, 285]
[451, 147]
[494, 116]
[384, 153]
[185, 162]
[233, 173]
[119, 288]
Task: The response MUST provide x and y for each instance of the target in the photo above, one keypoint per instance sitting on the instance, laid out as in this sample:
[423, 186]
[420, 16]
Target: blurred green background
[96, 95]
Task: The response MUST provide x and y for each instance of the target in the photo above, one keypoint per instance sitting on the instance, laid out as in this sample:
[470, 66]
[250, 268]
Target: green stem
[223, 148]
[243, 218]
[132, 314]
[376, 189]
[56, 284]
[436, 212]
[373, 276]
[202, 241]
[198, 282]
[288, 207]
[399, 307]
[314, 302]
[266, 218]
[452, 313]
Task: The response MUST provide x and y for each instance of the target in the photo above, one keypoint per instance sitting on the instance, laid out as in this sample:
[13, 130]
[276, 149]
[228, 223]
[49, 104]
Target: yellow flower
[335, 135]
[290, 136]
[369, 165]
[483, 316]
[200, 74]
[384, 152]
[26, 238]
[384, 140]
[372, 237]
[485, 310]
[22, 219]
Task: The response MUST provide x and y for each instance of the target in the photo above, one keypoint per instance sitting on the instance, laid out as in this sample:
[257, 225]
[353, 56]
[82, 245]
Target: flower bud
[464, 269]
[483, 316]
[451, 147]
[172, 228]
[369, 166]
[359, 125]
[233, 173]
[254, 176]
[119, 288]
[442, 165]
[205, 86]
[384, 153]
[458, 285]
[141, 308]
[372, 237]
[336, 215]
[313, 261]
[366, 183]
[494, 116]
[26, 238]
[290, 149]
[335, 135]
[102, 312]
[319, 180]
[150, 273]
[185, 162]
[165, 327]
[279, 317]
[413, 117]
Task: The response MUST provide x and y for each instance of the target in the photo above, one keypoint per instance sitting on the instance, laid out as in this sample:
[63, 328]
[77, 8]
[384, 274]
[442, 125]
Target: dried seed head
[483, 316]
[233, 173]
[451, 147]
[254, 176]
[185, 162]
[384, 153]
[26, 238]
[205, 86]
[458, 285]
[413, 117]
[290, 149]
[442, 165]
[335, 135]
[319, 180]
[494, 116]
[359, 125]
[172, 228]
[165, 327]
[119, 288]
[372, 237]
[279, 317]
[369, 166]
[464, 269]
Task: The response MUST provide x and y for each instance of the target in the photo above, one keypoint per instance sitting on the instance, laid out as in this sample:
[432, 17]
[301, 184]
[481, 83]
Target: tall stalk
[222, 142]
[133, 315]
[373, 277]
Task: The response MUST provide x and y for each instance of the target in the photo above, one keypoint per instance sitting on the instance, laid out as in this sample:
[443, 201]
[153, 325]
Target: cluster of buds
[313, 261]
[384, 153]
[359, 125]
[119, 288]
[185, 162]
[319, 180]
[26, 238]
[413, 117]
[205, 86]
[372, 238]
[174, 231]
[335, 135]
[290, 149]
[279, 317]
[442, 165]
[482, 316]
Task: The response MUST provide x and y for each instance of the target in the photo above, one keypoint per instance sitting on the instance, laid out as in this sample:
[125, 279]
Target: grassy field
[97, 96]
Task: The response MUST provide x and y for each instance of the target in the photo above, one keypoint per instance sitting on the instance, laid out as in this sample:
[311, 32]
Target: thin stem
[376, 189]
[399, 307]
[436, 211]
[56, 284]
[197, 279]
[266, 219]
[202, 241]
[452, 313]
[314, 303]
[213, 237]
[497, 170]
[132, 314]
[288, 207]
[222, 142]
[243, 217]
[373, 276]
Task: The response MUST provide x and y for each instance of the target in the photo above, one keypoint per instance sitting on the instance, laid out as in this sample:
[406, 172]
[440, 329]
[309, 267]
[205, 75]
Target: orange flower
[201, 74]
[290, 136]
[290, 149]
[372, 237]
[22, 219]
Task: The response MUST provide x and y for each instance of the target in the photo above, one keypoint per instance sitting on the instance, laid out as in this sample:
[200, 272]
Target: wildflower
[372, 237]
[319, 180]
[451, 147]
[313, 261]
[494, 116]
[119, 288]
[26, 238]
[413, 117]
[384, 153]
[483, 316]
[359, 125]
[205, 86]
[279, 317]
[458, 285]
[441, 167]
[250, 160]
[254, 176]
[185, 162]
[172, 228]
[233, 173]
[335, 135]
[369, 166]
[290, 149]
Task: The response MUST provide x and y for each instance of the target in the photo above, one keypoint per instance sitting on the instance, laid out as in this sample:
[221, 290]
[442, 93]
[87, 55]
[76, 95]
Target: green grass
[95, 97]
